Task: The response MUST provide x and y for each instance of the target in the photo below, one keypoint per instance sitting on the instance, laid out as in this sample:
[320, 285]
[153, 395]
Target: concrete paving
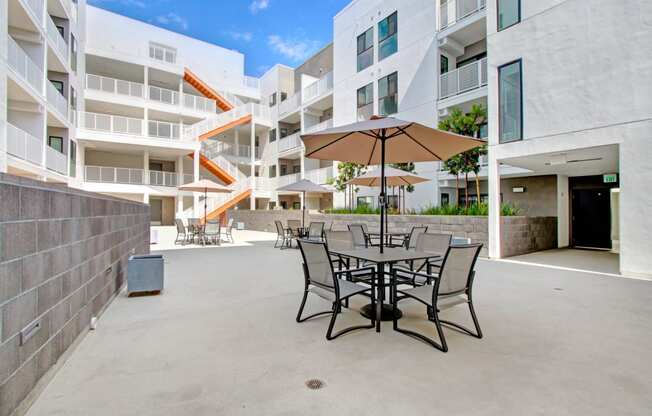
[222, 340]
[599, 261]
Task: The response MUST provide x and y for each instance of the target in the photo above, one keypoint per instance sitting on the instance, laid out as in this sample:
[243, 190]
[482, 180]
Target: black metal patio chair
[182, 234]
[228, 231]
[212, 232]
[411, 240]
[437, 244]
[451, 287]
[315, 231]
[323, 280]
[283, 236]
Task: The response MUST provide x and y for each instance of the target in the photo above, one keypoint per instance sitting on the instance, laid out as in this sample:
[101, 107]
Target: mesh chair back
[279, 228]
[414, 236]
[357, 230]
[212, 227]
[365, 228]
[433, 243]
[316, 230]
[230, 223]
[339, 240]
[457, 267]
[317, 263]
[294, 224]
[181, 229]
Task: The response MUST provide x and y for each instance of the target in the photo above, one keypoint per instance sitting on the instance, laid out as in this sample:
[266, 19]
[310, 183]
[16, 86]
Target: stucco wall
[63, 256]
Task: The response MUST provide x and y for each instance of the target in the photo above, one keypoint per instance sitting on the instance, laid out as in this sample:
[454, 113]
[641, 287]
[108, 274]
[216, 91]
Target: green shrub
[479, 210]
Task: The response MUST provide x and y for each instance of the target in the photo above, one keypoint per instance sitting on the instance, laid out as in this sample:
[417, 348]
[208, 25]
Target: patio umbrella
[393, 177]
[304, 186]
[385, 140]
[205, 186]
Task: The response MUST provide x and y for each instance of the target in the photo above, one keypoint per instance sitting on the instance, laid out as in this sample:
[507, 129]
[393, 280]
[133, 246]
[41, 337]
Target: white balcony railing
[327, 124]
[131, 176]
[251, 82]
[319, 176]
[57, 100]
[163, 130]
[111, 124]
[24, 66]
[321, 87]
[211, 123]
[290, 105]
[288, 179]
[67, 5]
[195, 102]
[290, 142]
[221, 148]
[159, 178]
[23, 145]
[56, 161]
[453, 11]
[163, 95]
[36, 8]
[60, 44]
[114, 86]
[463, 79]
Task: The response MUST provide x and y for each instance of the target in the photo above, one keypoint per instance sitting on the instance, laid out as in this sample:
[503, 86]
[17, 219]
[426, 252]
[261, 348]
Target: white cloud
[243, 36]
[258, 5]
[172, 19]
[129, 3]
[262, 69]
[296, 50]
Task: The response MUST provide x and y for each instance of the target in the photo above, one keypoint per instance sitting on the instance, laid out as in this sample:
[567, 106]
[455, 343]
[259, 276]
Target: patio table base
[386, 313]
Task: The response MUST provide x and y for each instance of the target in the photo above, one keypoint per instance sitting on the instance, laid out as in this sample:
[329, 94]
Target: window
[284, 132]
[272, 100]
[73, 158]
[509, 13]
[510, 102]
[296, 169]
[366, 102]
[296, 205]
[483, 133]
[272, 171]
[284, 170]
[284, 96]
[365, 201]
[58, 85]
[56, 143]
[162, 53]
[445, 199]
[366, 49]
[272, 135]
[61, 31]
[472, 59]
[73, 98]
[443, 64]
[73, 52]
[387, 36]
[388, 94]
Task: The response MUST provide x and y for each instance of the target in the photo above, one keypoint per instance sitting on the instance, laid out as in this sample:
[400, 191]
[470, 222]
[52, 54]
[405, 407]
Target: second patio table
[390, 256]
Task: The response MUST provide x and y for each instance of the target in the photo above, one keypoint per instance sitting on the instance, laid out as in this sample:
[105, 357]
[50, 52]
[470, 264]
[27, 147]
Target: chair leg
[303, 304]
[440, 346]
[337, 308]
[478, 331]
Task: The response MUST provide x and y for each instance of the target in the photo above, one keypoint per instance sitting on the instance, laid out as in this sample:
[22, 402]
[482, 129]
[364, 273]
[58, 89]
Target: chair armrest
[369, 269]
[400, 269]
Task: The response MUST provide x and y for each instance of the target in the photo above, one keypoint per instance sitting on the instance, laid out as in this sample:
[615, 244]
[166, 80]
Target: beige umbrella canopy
[393, 177]
[304, 186]
[205, 186]
[385, 140]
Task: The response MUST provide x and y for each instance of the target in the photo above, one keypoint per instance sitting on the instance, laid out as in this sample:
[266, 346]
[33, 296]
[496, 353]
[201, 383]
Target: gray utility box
[145, 274]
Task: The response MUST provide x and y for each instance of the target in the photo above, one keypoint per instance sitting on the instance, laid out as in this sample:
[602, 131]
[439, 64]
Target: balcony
[454, 11]
[163, 95]
[163, 130]
[221, 148]
[111, 124]
[114, 86]
[291, 142]
[288, 179]
[466, 78]
[58, 101]
[197, 103]
[24, 146]
[319, 176]
[58, 42]
[131, 176]
[35, 7]
[290, 105]
[56, 161]
[319, 88]
[24, 67]
[327, 124]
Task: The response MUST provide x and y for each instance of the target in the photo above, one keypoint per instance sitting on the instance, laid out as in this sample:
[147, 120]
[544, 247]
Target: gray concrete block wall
[521, 235]
[63, 255]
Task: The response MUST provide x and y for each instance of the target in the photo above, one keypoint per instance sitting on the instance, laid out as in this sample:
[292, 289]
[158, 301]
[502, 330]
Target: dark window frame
[73, 53]
[60, 138]
[360, 52]
[472, 59]
[389, 35]
[272, 135]
[357, 95]
[500, 124]
[443, 58]
[272, 100]
[381, 98]
[59, 86]
[498, 28]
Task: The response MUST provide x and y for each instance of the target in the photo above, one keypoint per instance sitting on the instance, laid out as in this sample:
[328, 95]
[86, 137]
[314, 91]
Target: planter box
[145, 275]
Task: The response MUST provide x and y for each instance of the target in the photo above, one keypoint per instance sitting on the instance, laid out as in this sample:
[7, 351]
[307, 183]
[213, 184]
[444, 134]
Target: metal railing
[163, 129]
[222, 148]
[290, 142]
[463, 79]
[211, 123]
[23, 145]
[318, 88]
[67, 5]
[290, 105]
[133, 176]
[114, 86]
[36, 8]
[111, 124]
[59, 42]
[326, 124]
[160, 178]
[198, 103]
[453, 11]
[163, 95]
[319, 176]
[24, 66]
[288, 179]
[214, 201]
[57, 100]
[56, 161]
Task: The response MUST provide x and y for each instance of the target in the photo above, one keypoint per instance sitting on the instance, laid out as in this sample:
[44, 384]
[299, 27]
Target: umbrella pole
[383, 195]
[303, 214]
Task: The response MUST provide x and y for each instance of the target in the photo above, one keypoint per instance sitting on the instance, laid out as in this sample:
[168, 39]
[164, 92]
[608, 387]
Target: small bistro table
[390, 256]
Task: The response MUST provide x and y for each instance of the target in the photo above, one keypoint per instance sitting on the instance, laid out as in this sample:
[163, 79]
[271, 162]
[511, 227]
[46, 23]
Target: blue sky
[266, 31]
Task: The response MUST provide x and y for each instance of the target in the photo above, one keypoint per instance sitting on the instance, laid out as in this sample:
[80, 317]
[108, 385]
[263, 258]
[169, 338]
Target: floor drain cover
[315, 384]
[560, 289]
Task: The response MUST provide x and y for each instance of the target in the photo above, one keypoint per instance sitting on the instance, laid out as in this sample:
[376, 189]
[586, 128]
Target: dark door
[591, 222]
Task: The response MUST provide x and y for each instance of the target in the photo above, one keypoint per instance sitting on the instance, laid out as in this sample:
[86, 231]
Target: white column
[195, 172]
[147, 175]
[252, 143]
[563, 209]
[180, 93]
[494, 206]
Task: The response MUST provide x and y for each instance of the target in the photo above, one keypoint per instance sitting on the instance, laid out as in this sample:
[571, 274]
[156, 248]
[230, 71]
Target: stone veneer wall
[63, 255]
[520, 234]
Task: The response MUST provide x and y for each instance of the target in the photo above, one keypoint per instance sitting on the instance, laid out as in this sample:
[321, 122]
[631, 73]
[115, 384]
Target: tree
[408, 167]
[466, 124]
[346, 172]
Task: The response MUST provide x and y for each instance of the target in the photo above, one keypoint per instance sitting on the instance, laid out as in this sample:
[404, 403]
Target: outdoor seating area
[195, 231]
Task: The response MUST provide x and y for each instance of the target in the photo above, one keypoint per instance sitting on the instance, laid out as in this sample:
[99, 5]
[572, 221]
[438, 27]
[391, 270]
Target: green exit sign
[610, 178]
